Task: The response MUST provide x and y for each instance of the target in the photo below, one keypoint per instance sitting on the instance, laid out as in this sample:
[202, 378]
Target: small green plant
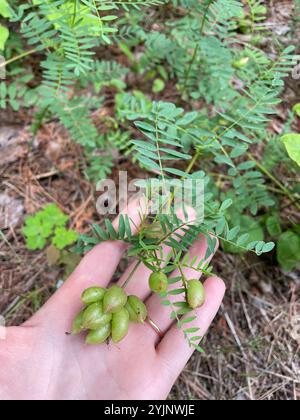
[48, 226]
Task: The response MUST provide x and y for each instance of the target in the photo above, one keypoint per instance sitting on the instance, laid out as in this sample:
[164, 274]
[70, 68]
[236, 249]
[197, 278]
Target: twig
[47, 175]
[239, 343]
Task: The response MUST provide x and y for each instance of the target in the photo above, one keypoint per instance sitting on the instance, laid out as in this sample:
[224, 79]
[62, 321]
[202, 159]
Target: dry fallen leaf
[11, 211]
[12, 145]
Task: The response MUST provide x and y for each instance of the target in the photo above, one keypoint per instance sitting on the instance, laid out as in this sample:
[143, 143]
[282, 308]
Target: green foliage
[100, 156]
[4, 9]
[66, 33]
[273, 225]
[174, 88]
[75, 115]
[257, 14]
[48, 224]
[4, 34]
[275, 159]
[17, 94]
[160, 131]
[275, 154]
[296, 109]
[64, 238]
[292, 144]
[248, 226]
[288, 251]
[106, 74]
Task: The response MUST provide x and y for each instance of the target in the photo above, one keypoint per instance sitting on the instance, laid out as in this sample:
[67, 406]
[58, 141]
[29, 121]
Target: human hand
[40, 362]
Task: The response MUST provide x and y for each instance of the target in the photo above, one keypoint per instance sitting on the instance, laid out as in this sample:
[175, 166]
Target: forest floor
[253, 348]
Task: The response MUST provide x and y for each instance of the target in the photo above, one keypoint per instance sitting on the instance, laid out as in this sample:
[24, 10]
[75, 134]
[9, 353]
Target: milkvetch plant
[225, 90]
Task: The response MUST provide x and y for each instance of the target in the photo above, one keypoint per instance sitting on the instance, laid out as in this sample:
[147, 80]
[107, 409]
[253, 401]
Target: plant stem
[18, 57]
[131, 274]
[184, 281]
[194, 56]
[230, 178]
[186, 78]
[39, 120]
[193, 162]
[74, 13]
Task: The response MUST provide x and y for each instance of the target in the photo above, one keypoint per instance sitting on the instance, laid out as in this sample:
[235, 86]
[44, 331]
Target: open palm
[40, 361]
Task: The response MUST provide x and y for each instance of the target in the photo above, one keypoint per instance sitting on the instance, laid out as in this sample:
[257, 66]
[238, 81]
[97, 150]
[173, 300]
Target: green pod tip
[77, 326]
[195, 294]
[114, 300]
[94, 317]
[241, 63]
[158, 282]
[137, 309]
[120, 325]
[98, 336]
[93, 295]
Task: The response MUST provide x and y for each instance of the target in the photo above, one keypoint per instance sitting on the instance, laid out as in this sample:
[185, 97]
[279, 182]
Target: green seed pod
[93, 295]
[137, 309]
[241, 63]
[77, 326]
[99, 336]
[261, 10]
[120, 325]
[132, 314]
[114, 300]
[245, 26]
[195, 294]
[154, 231]
[94, 317]
[158, 282]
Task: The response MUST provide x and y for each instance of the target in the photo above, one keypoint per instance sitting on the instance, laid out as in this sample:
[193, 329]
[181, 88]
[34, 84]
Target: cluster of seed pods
[107, 313]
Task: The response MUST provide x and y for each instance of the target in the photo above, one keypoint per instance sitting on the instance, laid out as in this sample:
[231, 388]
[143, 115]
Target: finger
[161, 314]
[139, 283]
[174, 351]
[96, 268]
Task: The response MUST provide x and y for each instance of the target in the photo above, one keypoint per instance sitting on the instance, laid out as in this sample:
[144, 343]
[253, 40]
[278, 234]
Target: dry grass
[252, 351]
